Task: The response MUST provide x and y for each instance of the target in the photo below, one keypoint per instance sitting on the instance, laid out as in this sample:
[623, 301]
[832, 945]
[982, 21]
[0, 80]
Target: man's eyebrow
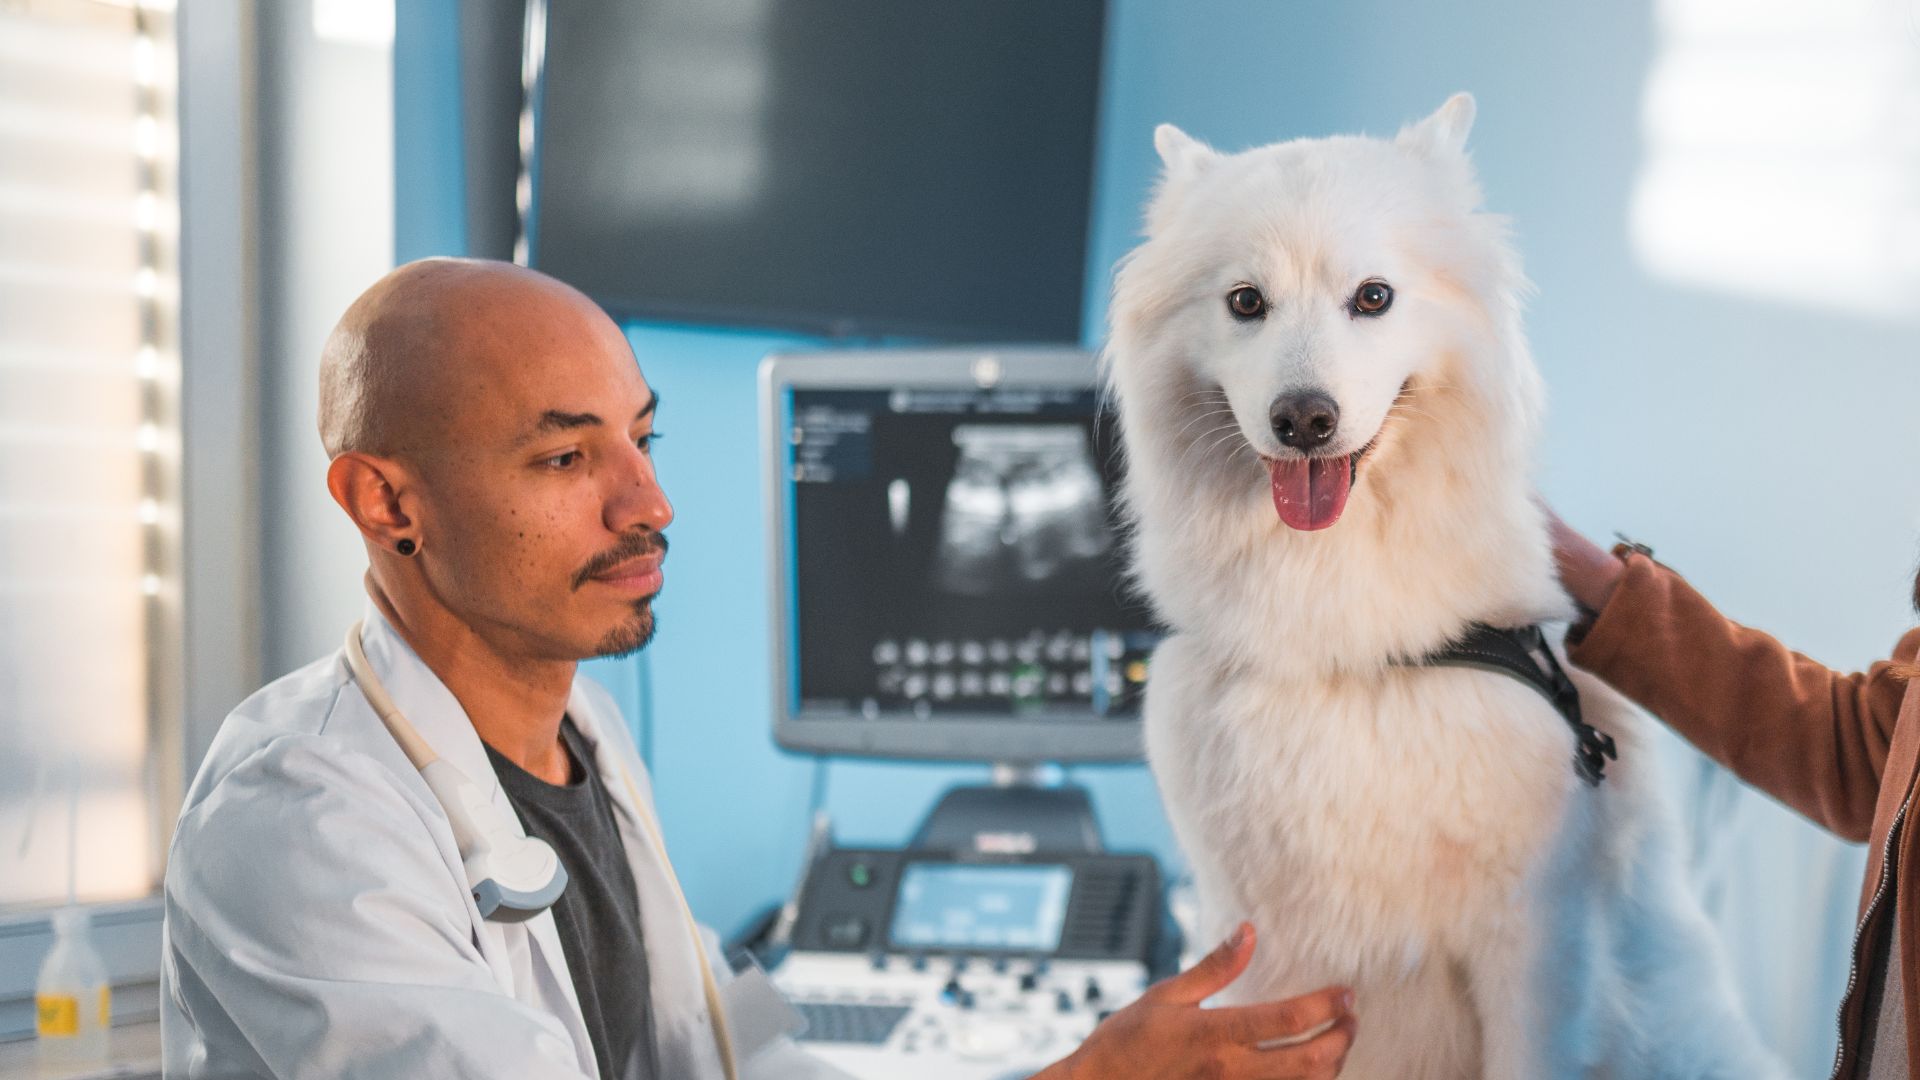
[558, 420]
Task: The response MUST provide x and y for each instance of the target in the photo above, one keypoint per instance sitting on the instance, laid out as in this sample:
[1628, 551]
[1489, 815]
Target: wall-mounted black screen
[839, 166]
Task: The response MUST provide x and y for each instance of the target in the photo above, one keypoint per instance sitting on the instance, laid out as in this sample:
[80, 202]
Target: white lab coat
[318, 920]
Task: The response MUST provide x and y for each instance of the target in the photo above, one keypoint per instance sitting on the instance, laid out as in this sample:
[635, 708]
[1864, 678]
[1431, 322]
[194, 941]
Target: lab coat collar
[432, 709]
[439, 718]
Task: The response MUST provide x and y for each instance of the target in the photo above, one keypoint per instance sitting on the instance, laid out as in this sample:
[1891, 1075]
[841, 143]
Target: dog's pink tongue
[1310, 493]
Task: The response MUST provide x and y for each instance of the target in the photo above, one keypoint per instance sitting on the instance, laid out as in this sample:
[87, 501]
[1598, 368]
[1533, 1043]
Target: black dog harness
[1522, 653]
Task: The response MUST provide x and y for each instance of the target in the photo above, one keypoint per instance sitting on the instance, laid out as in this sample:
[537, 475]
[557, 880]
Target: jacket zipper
[1860, 933]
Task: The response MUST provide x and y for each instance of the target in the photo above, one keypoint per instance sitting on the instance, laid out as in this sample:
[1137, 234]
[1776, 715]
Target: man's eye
[562, 461]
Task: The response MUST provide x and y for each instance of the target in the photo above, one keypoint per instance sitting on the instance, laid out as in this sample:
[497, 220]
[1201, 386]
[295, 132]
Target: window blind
[89, 446]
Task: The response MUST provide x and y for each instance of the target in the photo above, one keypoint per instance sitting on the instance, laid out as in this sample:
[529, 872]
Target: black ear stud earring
[407, 547]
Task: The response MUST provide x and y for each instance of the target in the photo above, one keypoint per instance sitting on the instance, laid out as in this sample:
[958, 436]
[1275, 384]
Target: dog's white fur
[1417, 833]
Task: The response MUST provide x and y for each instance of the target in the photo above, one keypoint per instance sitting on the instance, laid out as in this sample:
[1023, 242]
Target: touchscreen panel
[962, 907]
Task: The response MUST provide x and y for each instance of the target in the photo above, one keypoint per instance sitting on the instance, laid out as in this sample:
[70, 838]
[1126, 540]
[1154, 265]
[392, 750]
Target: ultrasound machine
[948, 584]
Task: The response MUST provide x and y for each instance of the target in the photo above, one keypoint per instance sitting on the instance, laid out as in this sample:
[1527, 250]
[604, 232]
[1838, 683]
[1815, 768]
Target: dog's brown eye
[1246, 303]
[1372, 298]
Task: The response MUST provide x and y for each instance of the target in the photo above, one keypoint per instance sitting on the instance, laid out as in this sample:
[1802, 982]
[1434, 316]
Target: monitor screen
[949, 554]
[839, 166]
[951, 906]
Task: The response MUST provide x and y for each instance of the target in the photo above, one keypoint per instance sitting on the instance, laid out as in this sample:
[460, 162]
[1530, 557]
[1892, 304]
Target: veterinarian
[1843, 749]
[433, 852]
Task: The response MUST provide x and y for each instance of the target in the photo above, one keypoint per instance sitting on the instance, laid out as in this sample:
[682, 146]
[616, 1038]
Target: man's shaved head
[391, 365]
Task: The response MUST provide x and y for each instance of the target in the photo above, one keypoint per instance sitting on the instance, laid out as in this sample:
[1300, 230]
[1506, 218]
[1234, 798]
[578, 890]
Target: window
[1782, 152]
[90, 527]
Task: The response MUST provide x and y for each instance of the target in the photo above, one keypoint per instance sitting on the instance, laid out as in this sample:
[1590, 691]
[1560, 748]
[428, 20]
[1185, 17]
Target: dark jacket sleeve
[1814, 738]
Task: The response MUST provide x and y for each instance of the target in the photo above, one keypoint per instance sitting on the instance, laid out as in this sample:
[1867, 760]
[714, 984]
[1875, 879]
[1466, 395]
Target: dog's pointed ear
[1445, 132]
[1180, 152]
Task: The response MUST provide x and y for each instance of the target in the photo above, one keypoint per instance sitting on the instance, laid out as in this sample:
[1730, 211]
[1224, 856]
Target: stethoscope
[514, 876]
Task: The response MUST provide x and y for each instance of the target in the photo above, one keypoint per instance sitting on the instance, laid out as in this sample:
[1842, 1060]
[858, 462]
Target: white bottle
[73, 998]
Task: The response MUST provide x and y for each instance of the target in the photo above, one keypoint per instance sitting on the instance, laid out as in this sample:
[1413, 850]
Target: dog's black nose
[1304, 419]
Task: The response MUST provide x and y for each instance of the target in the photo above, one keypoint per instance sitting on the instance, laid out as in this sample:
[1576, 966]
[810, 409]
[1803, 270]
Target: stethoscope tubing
[420, 754]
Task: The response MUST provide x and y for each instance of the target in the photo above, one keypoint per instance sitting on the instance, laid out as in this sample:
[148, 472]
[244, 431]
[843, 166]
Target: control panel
[966, 967]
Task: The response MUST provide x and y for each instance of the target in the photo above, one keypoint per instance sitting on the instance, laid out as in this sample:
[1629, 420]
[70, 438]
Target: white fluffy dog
[1329, 411]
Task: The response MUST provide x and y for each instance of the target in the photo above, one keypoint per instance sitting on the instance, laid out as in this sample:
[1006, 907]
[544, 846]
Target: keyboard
[839, 1022]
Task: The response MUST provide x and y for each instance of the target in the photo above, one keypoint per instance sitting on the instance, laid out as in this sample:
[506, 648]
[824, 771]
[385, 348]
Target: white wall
[326, 233]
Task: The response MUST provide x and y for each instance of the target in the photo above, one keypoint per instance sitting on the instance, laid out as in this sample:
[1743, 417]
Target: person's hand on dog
[1166, 1035]
[1588, 571]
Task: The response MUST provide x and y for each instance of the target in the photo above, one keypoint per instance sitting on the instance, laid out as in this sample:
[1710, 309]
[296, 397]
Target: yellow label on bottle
[106, 1007]
[59, 1015]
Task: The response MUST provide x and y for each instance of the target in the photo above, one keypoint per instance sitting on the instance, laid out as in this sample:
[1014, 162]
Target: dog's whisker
[1220, 395]
[1211, 414]
[1210, 433]
[1224, 439]
[1220, 420]
[1217, 436]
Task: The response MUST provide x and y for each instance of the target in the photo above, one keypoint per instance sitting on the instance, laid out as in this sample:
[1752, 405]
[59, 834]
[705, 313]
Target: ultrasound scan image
[1024, 507]
[954, 553]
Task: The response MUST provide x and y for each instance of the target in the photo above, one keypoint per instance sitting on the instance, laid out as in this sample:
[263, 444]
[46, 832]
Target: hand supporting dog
[1589, 571]
[1167, 1035]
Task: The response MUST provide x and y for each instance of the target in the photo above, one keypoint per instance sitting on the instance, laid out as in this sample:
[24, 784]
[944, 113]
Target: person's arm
[1167, 1035]
[1814, 738]
[316, 931]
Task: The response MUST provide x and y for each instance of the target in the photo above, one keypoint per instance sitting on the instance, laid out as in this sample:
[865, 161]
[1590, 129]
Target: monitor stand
[1025, 809]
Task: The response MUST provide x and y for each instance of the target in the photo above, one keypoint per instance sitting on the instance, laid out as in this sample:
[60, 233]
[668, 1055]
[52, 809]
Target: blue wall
[733, 805]
[1670, 405]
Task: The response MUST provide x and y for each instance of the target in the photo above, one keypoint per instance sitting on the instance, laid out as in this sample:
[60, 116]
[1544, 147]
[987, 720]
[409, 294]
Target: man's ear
[368, 488]
[1445, 132]
[1181, 153]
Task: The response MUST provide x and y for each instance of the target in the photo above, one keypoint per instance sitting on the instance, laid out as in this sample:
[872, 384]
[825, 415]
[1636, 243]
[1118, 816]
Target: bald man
[433, 852]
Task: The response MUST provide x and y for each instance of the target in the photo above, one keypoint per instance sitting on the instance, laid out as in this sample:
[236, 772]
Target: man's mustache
[631, 546]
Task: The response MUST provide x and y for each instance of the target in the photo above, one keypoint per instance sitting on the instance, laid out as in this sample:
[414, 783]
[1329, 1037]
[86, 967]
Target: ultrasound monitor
[948, 580]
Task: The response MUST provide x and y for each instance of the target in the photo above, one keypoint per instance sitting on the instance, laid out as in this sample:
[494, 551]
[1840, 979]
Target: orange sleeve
[1814, 738]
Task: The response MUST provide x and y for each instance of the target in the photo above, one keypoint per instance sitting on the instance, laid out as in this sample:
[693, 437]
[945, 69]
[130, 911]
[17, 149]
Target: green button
[860, 874]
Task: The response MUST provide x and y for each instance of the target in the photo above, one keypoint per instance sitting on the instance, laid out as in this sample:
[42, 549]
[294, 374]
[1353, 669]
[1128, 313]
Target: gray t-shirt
[1887, 1054]
[598, 915]
[1883, 1048]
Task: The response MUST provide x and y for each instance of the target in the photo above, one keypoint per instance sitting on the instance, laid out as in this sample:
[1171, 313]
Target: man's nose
[1304, 419]
[638, 500]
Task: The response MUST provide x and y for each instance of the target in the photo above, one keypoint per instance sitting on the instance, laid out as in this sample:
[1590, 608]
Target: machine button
[1028, 982]
[1063, 1001]
[859, 875]
[1093, 990]
[846, 932]
[987, 1041]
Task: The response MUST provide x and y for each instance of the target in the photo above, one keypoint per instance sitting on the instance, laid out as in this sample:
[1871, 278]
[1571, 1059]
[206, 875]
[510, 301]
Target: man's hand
[1166, 1035]
[1589, 571]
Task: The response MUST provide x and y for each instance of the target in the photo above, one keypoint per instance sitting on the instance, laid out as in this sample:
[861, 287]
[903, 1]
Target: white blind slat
[88, 528]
